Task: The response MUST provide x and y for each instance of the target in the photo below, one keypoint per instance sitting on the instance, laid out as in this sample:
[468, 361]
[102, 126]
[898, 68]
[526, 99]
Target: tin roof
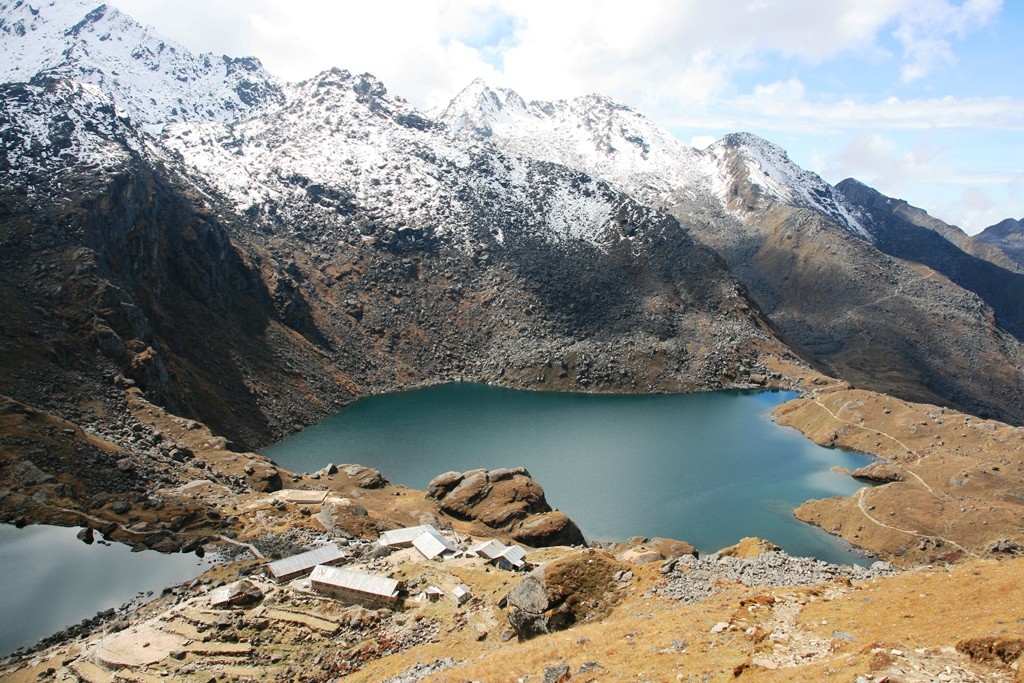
[225, 594]
[372, 584]
[303, 561]
[404, 536]
[515, 555]
[495, 550]
[302, 497]
[489, 549]
[432, 544]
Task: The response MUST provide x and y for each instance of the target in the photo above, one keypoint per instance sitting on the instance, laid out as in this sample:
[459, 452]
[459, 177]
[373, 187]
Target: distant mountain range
[254, 253]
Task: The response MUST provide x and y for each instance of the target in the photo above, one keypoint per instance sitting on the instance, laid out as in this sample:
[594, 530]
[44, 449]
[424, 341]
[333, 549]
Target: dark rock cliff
[901, 231]
[883, 321]
[1008, 237]
[121, 267]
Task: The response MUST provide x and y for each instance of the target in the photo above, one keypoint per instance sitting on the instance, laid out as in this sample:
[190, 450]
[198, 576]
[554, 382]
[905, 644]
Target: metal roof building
[299, 565]
[515, 555]
[235, 593]
[489, 549]
[302, 497]
[432, 593]
[432, 544]
[461, 593]
[512, 557]
[403, 538]
[357, 587]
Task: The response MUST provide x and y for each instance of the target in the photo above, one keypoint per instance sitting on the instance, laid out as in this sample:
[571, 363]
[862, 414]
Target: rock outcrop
[577, 588]
[508, 500]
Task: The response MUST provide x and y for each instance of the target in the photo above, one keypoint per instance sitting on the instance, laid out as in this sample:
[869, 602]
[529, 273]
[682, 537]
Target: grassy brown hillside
[949, 485]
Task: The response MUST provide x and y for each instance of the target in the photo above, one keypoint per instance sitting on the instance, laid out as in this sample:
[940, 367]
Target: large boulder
[364, 477]
[440, 485]
[263, 477]
[577, 588]
[496, 498]
[527, 603]
[508, 500]
[640, 550]
[548, 529]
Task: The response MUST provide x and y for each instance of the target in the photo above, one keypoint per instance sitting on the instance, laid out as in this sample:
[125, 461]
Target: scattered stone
[694, 579]
[27, 474]
[559, 673]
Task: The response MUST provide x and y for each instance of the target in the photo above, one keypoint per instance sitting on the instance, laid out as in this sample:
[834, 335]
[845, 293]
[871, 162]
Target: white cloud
[923, 174]
[650, 53]
[779, 107]
[975, 208]
[924, 31]
[879, 161]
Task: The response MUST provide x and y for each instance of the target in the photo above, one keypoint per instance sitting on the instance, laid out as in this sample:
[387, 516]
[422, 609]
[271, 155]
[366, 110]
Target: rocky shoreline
[170, 484]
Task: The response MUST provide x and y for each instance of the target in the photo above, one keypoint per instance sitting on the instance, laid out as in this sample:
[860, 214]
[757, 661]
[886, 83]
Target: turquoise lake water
[705, 468]
[53, 580]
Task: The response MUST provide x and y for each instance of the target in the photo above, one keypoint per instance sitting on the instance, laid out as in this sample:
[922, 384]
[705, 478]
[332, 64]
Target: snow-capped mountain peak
[152, 80]
[769, 167]
[593, 133]
[479, 107]
[610, 140]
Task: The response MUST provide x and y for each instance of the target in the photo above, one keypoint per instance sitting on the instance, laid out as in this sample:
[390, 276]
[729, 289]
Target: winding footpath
[861, 492]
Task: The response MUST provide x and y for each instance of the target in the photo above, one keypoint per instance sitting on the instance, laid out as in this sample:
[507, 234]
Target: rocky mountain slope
[196, 259]
[1008, 237]
[835, 275]
[257, 267]
[907, 233]
[150, 79]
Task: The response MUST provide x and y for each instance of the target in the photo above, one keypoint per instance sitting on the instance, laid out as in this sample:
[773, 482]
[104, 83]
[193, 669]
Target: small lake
[53, 580]
[705, 468]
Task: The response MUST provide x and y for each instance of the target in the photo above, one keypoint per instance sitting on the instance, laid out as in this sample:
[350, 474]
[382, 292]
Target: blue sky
[919, 98]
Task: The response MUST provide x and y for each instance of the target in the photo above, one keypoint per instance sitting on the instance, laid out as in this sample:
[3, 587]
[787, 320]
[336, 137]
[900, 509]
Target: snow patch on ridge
[47, 128]
[592, 133]
[341, 144]
[768, 166]
[611, 141]
[151, 79]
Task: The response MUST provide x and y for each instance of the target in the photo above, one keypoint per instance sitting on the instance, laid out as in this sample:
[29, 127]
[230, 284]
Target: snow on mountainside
[615, 142]
[152, 80]
[768, 166]
[33, 156]
[593, 133]
[344, 145]
[336, 142]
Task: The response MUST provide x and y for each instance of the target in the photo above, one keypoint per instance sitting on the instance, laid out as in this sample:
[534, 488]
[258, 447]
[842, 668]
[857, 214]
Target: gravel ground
[690, 580]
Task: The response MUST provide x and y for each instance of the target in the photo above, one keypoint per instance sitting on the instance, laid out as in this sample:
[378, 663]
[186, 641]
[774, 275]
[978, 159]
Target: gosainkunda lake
[707, 468]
